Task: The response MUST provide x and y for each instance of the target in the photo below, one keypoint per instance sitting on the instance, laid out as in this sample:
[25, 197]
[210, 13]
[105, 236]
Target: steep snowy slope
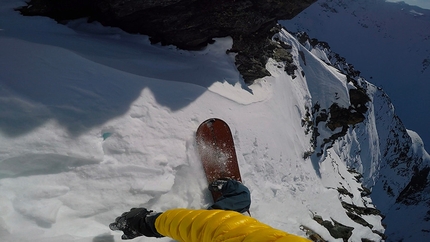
[388, 42]
[95, 121]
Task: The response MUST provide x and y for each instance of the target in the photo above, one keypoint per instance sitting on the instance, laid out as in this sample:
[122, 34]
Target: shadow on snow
[83, 75]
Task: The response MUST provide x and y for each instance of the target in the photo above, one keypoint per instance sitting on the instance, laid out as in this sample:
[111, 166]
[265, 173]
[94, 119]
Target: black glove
[136, 223]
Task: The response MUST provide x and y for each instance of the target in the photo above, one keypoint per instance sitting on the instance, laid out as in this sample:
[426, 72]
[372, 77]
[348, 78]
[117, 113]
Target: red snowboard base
[215, 146]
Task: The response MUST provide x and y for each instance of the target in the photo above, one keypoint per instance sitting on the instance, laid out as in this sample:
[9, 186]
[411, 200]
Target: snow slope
[388, 42]
[95, 121]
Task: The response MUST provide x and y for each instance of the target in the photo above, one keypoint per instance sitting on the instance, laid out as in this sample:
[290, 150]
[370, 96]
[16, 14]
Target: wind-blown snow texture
[95, 121]
[388, 42]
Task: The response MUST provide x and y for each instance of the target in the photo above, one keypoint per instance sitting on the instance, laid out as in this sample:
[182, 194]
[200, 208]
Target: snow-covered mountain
[391, 159]
[388, 42]
[94, 121]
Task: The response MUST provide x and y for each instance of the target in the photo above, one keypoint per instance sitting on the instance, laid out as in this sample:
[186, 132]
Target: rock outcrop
[187, 24]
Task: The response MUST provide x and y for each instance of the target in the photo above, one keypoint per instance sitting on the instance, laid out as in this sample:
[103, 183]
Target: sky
[420, 3]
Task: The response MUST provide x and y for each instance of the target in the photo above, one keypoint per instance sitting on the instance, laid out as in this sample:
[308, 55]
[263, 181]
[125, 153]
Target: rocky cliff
[187, 24]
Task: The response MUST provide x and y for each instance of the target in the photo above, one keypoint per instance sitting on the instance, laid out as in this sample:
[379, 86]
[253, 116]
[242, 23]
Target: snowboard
[215, 146]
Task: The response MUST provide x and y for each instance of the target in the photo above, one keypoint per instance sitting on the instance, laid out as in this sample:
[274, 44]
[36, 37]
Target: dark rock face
[411, 194]
[187, 24]
[336, 229]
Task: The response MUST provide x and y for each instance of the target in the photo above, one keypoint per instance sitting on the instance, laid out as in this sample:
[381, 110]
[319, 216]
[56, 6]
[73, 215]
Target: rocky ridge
[187, 24]
[399, 166]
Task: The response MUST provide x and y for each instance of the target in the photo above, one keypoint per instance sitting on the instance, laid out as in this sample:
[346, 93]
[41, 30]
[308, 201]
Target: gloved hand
[136, 223]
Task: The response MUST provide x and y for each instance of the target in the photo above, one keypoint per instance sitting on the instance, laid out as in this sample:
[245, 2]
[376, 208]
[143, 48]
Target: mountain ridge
[398, 169]
[388, 42]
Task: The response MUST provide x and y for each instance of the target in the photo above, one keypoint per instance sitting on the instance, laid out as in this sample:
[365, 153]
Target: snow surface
[95, 121]
[420, 3]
